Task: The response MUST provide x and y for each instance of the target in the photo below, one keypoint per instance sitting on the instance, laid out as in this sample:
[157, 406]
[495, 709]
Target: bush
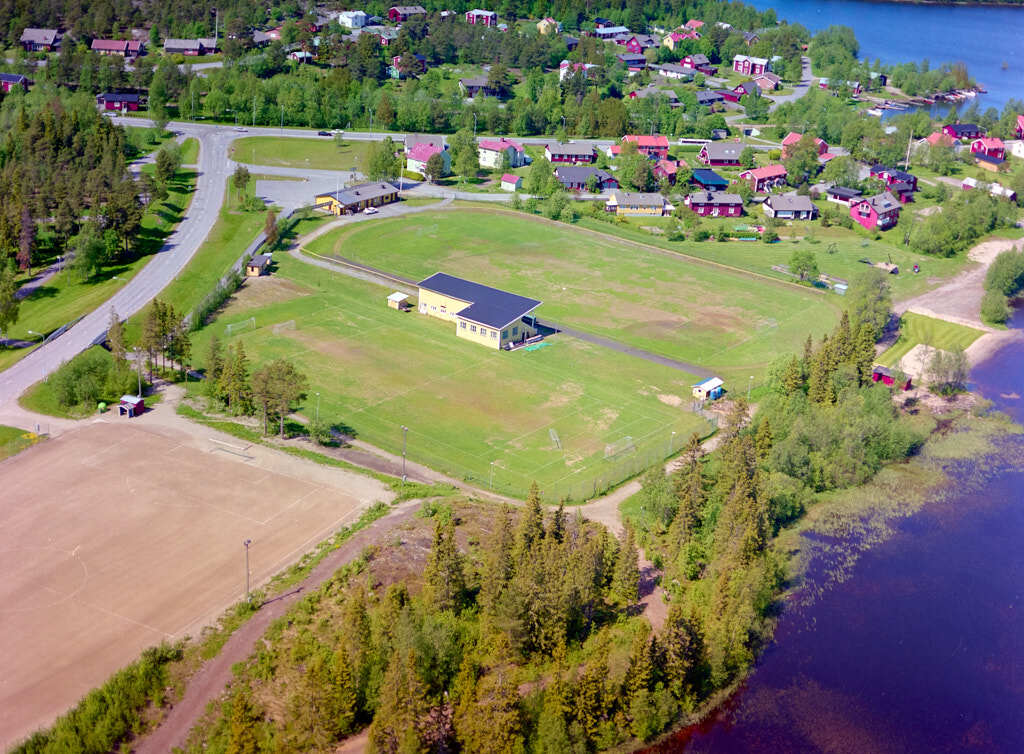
[770, 236]
[701, 235]
[90, 377]
[1006, 275]
[994, 307]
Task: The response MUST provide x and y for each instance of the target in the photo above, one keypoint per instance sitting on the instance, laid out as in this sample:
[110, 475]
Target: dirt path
[213, 677]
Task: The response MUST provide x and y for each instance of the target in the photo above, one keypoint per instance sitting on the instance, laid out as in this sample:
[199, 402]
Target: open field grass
[546, 415]
[843, 261]
[722, 320]
[917, 328]
[64, 297]
[285, 152]
[190, 151]
[14, 440]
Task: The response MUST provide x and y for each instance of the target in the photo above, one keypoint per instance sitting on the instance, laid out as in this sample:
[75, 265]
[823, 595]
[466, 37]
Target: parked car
[370, 211]
[323, 133]
[239, 128]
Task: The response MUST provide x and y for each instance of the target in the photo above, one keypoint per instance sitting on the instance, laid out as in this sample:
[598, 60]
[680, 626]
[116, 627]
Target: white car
[370, 211]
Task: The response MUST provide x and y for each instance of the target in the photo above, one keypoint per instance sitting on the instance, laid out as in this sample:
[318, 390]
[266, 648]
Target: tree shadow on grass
[43, 291]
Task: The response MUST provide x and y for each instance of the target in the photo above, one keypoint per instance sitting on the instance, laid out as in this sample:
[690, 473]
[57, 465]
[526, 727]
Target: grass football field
[725, 321]
[322, 153]
[553, 415]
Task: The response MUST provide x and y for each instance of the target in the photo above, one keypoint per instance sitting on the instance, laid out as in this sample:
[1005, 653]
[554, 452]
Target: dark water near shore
[982, 37]
[921, 649]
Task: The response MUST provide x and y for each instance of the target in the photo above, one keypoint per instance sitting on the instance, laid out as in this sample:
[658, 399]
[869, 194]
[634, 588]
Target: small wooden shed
[131, 405]
[709, 389]
[887, 376]
[398, 300]
[258, 265]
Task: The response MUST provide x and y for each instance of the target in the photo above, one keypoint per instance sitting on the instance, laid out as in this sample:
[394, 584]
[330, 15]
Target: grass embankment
[730, 322]
[64, 297]
[190, 151]
[916, 329]
[315, 154]
[474, 413]
[14, 440]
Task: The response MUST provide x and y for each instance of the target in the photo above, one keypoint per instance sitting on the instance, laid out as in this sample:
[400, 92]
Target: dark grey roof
[40, 36]
[963, 128]
[580, 173]
[488, 306]
[632, 57]
[900, 186]
[260, 260]
[119, 97]
[724, 151]
[883, 202]
[637, 199]
[982, 157]
[709, 177]
[182, 44]
[790, 203]
[700, 59]
[12, 78]
[683, 70]
[748, 86]
[362, 192]
[843, 192]
[715, 197]
[578, 149]
[708, 98]
[653, 90]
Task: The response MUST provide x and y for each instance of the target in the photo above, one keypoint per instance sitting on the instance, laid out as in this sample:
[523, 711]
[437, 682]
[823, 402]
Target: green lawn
[190, 151]
[318, 154]
[466, 406]
[725, 321]
[937, 333]
[65, 298]
[14, 440]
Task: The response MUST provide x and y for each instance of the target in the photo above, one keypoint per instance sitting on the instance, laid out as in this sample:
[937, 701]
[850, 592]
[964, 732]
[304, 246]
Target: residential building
[668, 170]
[673, 39]
[476, 86]
[395, 70]
[676, 71]
[549, 26]
[481, 17]
[258, 266]
[701, 63]
[601, 23]
[301, 56]
[721, 154]
[126, 48]
[790, 207]
[995, 189]
[892, 176]
[938, 139]
[793, 138]
[902, 191]
[990, 146]
[40, 40]
[634, 203]
[767, 82]
[610, 32]
[494, 152]
[986, 162]
[1019, 131]
[417, 157]
[571, 43]
[640, 42]
[412, 140]
[654, 147]
[353, 19]
[878, 212]
[399, 14]
[633, 62]
[488, 316]
[742, 89]
[963, 131]
[119, 101]
[510, 182]
[653, 90]
[887, 377]
[567, 69]
[708, 180]
[709, 98]
[577, 178]
[571, 153]
[1017, 149]
[715, 204]
[750, 66]
[184, 47]
[355, 199]
[693, 23]
[10, 80]
[842, 195]
[751, 38]
[764, 179]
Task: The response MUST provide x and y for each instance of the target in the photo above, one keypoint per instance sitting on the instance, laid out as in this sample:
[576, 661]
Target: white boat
[877, 112]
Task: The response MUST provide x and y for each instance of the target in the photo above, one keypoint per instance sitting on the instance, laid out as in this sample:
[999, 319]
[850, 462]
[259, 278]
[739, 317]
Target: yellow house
[633, 203]
[488, 316]
[356, 198]
[549, 26]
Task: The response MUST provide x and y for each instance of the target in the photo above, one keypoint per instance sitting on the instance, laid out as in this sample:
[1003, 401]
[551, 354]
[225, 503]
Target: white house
[494, 151]
[352, 19]
[511, 182]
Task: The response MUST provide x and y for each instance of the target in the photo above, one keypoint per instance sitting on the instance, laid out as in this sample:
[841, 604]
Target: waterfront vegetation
[917, 329]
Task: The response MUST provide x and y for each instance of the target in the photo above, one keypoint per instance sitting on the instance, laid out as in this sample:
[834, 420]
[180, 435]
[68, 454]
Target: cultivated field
[728, 322]
[120, 534]
[547, 414]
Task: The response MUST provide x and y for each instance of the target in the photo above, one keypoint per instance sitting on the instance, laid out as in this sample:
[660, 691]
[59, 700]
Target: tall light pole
[405, 437]
[749, 386]
[247, 543]
[490, 484]
[318, 408]
[138, 368]
[671, 442]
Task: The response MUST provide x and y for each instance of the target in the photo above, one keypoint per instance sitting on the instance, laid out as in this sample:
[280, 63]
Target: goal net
[619, 448]
[281, 327]
[555, 439]
[235, 327]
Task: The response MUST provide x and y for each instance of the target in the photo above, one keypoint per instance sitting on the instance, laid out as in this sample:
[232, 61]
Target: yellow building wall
[620, 210]
[485, 336]
[439, 305]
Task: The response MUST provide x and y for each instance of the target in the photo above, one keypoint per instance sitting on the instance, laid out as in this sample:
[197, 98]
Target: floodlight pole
[247, 543]
[749, 386]
[490, 484]
[671, 441]
[318, 408]
[138, 368]
[405, 437]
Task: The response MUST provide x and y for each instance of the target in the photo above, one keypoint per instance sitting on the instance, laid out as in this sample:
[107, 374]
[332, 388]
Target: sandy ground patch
[670, 400]
[262, 291]
[119, 534]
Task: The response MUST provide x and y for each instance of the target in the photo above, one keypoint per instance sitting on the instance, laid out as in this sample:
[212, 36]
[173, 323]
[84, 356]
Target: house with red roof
[668, 170]
[693, 23]
[1020, 127]
[878, 212]
[990, 146]
[126, 48]
[672, 39]
[493, 153]
[793, 137]
[418, 155]
[510, 182]
[761, 180]
[655, 147]
[939, 139]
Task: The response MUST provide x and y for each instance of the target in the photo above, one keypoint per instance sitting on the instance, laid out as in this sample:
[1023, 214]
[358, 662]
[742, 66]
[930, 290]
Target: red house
[990, 146]
[793, 137]
[715, 204]
[126, 48]
[571, 154]
[701, 63]
[1020, 127]
[719, 154]
[118, 101]
[892, 176]
[401, 13]
[742, 89]
[640, 42]
[877, 212]
[10, 80]
[655, 147]
[888, 377]
[963, 131]
[763, 179]
[575, 178]
[481, 17]
[667, 170]
[693, 23]
[750, 66]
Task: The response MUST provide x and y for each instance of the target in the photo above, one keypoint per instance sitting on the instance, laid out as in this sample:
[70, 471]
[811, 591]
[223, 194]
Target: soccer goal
[555, 439]
[281, 327]
[619, 448]
[235, 327]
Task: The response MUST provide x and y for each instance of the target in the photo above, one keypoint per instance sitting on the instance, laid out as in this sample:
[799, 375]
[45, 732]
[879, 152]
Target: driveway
[806, 77]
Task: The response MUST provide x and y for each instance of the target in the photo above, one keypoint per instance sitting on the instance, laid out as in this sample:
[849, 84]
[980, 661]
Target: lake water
[921, 649]
[983, 38]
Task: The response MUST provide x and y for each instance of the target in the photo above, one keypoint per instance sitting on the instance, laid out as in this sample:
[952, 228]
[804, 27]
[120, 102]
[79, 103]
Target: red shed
[132, 405]
[887, 377]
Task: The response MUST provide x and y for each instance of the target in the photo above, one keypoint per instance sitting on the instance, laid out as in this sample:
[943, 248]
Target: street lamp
[138, 368]
[33, 332]
[318, 408]
[671, 442]
[405, 437]
[247, 543]
[749, 386]
[490, 484]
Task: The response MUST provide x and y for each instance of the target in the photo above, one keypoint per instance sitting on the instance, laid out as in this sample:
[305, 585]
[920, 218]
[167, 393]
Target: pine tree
[242, 723]
[531, 525]
[626, 582]
[214, 366]
[556, 526]
[792, 377]
[492, 724]
[151, 333]
[763, 439]
[444, 580]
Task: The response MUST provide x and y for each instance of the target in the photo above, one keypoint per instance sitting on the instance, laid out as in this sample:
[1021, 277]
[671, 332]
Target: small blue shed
[709, 389]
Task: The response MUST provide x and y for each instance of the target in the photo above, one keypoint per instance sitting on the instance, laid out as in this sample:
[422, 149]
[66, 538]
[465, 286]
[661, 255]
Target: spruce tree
[242, 723]
[680, 652]
[590, 704]
[556, 526]
[493, 723]
[402, 709]
[531, 525]
[115, 338]
[498, 565]
[214, 367]
[792, 377]
[688, 486]
[864, 352]
[763, 439]
[445, 584]
[626, 582]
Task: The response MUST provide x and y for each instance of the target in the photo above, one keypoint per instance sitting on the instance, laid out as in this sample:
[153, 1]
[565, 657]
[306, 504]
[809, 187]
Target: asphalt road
[800, 89]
